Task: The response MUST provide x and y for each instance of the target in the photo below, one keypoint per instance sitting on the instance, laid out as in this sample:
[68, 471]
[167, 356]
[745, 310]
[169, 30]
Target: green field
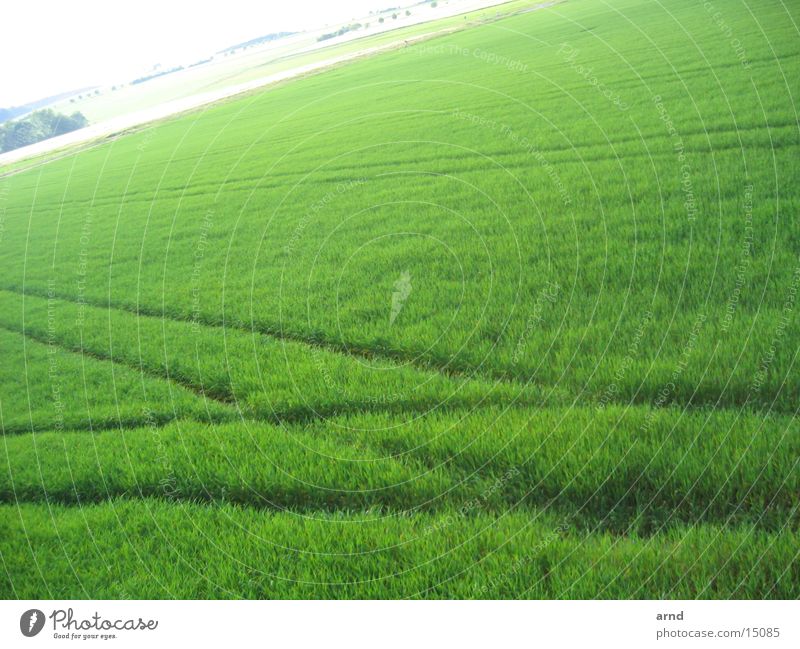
[510, 312]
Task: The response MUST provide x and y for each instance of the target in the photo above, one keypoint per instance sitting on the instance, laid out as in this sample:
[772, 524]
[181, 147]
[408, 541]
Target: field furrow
[620, 469]
[158, 549]
[263, 376]
[45, 387]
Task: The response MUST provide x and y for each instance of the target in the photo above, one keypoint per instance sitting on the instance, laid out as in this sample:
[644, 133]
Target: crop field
[280, 56]
[508, 313]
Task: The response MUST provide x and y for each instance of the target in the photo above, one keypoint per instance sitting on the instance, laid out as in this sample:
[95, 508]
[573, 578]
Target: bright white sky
[51, 46]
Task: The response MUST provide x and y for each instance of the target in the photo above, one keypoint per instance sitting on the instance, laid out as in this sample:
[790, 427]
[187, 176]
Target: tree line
[38, 126]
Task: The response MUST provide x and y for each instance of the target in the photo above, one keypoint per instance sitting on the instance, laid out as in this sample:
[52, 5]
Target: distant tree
[18, 134]
[408, 13]
[380, 20]
[434, 4]
[394, 16]
[64, 124]
[339, 32]
[37, 126]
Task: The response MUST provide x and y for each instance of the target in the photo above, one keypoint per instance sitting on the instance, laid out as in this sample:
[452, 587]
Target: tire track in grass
[245, 553]
[505, 390]
[266, 467]
[156, 420]
[225, 368]
[198, 391]
[43, 385]
[316, 468]
[506, 155]
[446, 368]
[304, 415]
[229, 400]
[499, 386]
[313, 506]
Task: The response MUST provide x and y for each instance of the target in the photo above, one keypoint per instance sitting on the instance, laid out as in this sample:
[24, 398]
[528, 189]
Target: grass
[618, 469]
[450, 308]
[230, 181]
[43, 386]
[230, 551]
[262, 375]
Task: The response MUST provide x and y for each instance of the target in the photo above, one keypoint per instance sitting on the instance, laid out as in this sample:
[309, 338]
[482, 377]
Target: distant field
[511, 312]
[283, 55]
